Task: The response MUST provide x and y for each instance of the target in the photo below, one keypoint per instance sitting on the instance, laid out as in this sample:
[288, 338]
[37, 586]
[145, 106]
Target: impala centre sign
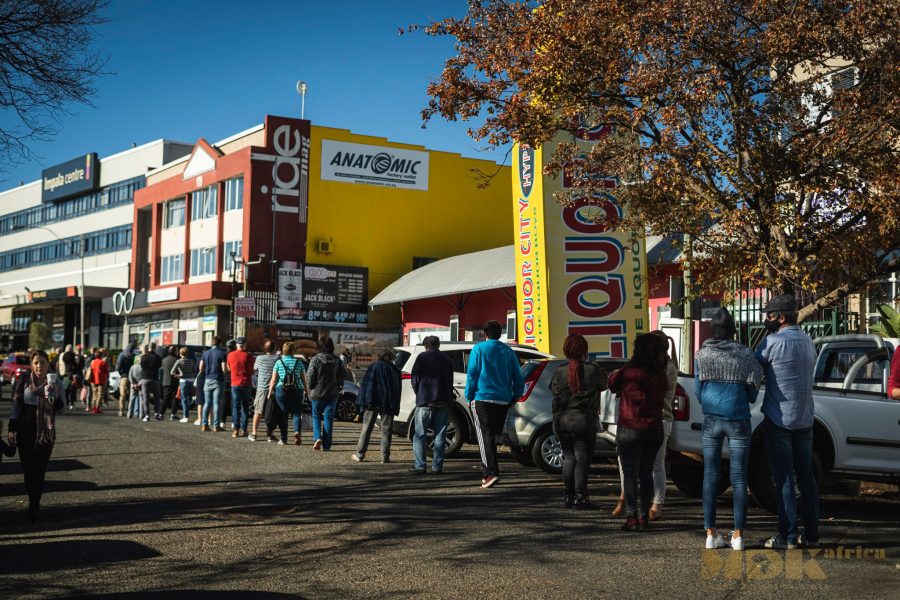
[77, 176]
[374, 165]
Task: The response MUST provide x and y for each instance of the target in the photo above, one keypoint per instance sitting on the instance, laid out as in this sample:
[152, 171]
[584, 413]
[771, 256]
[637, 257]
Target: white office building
[68, 235]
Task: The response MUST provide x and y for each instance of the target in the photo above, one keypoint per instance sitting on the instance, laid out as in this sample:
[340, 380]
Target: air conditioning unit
[324, 246]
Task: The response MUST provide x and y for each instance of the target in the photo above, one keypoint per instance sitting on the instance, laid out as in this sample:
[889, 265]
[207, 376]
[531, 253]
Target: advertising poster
[585, 277]
[374, 165]
[312, 293]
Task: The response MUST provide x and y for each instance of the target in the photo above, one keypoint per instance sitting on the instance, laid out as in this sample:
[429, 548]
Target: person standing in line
[326, 378]
[379, 394]
[169, 383]
[123, 364]
[432, 381]
[788, 357]
[100, 378]
[264, 366]
[239, 364]
[286, 385]
[493, 383]
[81, 375]
[668, 416]
[727, 379]
[641, 385]
[68, 369]
[211, 366]
[576, 388]
[37, 397]
[893, 390]
[185, 371]
[151, 363]
[136, 405]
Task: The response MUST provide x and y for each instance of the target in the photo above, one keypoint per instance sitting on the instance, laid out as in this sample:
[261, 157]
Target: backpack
[289, 381]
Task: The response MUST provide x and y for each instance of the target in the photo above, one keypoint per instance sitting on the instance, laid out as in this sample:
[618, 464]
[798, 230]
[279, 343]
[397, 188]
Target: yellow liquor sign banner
[580, 276]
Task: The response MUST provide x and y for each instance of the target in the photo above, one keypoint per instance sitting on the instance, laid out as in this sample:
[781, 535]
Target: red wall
[479, 307]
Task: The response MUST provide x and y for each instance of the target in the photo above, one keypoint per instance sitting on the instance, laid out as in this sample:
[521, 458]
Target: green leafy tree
[765, 129]
[39, 336]
[889, 326]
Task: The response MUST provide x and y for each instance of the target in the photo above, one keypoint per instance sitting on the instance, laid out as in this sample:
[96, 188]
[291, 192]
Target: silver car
[529, 429]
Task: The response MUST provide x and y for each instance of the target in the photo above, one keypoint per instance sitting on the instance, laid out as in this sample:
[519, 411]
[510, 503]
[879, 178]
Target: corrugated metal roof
[485, 270]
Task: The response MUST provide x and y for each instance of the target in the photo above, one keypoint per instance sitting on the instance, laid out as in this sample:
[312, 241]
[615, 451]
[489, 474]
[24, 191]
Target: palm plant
[889, 326]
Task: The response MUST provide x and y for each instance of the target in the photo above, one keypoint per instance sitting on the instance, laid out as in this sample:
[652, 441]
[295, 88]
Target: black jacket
[586, 399]
[432, 378]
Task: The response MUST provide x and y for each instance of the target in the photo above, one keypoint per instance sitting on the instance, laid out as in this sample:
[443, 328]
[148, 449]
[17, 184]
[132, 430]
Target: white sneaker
[183, 420]
[197, 422]
[737, 543]
[145, 419]
[715, 542]
[251, 438]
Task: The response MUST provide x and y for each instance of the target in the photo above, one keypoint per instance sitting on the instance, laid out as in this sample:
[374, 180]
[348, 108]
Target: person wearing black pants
[32, 425]
[641, 385]
[576, 388]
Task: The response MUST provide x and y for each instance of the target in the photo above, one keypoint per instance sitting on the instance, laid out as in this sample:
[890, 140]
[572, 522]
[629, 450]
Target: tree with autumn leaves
[767, 130]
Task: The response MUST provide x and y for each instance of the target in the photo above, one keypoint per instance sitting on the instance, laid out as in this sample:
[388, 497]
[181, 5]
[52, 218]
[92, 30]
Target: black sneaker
[385, 460]
[159, 417]
[583, 503]
[417, 470]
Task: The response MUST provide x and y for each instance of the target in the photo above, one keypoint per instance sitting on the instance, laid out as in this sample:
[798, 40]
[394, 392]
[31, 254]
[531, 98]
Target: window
[234, 194]
[174, 216]
[203, 261]
[204, 203]
[230, 247]
[172, 268]
[95, 242]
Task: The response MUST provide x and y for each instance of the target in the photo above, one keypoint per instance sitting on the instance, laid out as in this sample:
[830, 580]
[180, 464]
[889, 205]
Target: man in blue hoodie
[493, 382]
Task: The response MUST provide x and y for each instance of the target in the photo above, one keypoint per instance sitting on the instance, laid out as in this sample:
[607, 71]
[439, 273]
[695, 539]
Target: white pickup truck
[856, 433]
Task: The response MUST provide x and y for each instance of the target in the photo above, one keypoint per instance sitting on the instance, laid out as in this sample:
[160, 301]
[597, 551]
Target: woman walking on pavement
[32, 425]
[576, 388]
[641, 385]
[326, 378]
[728, 377]
[286, 387]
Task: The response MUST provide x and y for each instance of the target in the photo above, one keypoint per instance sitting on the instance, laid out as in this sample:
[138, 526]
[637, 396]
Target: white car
[460, 429]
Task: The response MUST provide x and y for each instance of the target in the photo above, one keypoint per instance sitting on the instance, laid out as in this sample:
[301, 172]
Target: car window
[458, 358]
[834, 365]
[22, 360]
[402, 357]
[524, 356]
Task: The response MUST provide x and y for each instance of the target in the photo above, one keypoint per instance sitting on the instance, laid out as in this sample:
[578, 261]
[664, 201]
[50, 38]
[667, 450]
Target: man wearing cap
[788, 357]
[239, 364]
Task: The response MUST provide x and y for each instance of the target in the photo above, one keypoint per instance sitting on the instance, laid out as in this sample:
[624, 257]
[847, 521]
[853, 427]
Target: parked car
[461, 428]
[856, 433]
[529, 429]
[14, 365]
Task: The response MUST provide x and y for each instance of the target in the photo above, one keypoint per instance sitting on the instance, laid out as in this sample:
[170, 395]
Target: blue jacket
[494, 373]
[726, 400]
[380, 388]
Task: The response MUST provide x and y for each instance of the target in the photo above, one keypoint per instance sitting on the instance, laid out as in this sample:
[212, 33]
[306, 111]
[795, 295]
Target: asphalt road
[160, 510]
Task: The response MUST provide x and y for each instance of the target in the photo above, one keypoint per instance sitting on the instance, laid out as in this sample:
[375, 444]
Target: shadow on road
[43, 557]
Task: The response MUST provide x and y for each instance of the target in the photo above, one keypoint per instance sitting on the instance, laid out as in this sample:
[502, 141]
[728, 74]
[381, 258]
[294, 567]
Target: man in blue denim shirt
[789, 357]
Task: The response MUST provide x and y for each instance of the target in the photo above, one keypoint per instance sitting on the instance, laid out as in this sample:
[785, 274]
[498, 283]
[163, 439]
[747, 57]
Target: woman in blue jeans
[727, 379]
[287, 385]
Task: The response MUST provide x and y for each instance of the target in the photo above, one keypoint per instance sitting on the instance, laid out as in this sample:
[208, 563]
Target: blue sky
[210, 68]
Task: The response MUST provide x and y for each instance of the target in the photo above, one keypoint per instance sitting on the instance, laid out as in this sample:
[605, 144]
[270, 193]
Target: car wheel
[453, 440]
[761, 485]
[346, 408]
[689, 479]
[521, 455]
[547, 452]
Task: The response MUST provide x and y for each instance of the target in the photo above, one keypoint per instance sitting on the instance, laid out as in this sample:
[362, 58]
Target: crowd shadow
[44, 557]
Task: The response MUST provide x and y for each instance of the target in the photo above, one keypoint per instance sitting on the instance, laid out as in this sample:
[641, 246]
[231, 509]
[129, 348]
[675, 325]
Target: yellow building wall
[383, 228]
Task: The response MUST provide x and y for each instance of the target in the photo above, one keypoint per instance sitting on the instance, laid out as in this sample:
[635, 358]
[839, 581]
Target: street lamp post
[235, 261]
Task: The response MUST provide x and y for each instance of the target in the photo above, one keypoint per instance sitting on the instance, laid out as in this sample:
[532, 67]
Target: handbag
[269, 409]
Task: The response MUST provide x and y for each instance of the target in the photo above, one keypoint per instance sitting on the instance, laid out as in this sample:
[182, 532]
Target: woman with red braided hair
[576, 388]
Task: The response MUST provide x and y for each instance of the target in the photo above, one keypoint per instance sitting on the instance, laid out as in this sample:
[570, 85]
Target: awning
[463, 274]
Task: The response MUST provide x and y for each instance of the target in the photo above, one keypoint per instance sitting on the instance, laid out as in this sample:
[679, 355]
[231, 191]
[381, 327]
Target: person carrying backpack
[326, 378]
[287, 384]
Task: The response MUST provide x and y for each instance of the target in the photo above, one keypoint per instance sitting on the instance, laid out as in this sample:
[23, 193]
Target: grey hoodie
[326, 376]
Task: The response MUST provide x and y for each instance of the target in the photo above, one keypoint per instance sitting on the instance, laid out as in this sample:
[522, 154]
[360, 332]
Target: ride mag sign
[574, 272]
